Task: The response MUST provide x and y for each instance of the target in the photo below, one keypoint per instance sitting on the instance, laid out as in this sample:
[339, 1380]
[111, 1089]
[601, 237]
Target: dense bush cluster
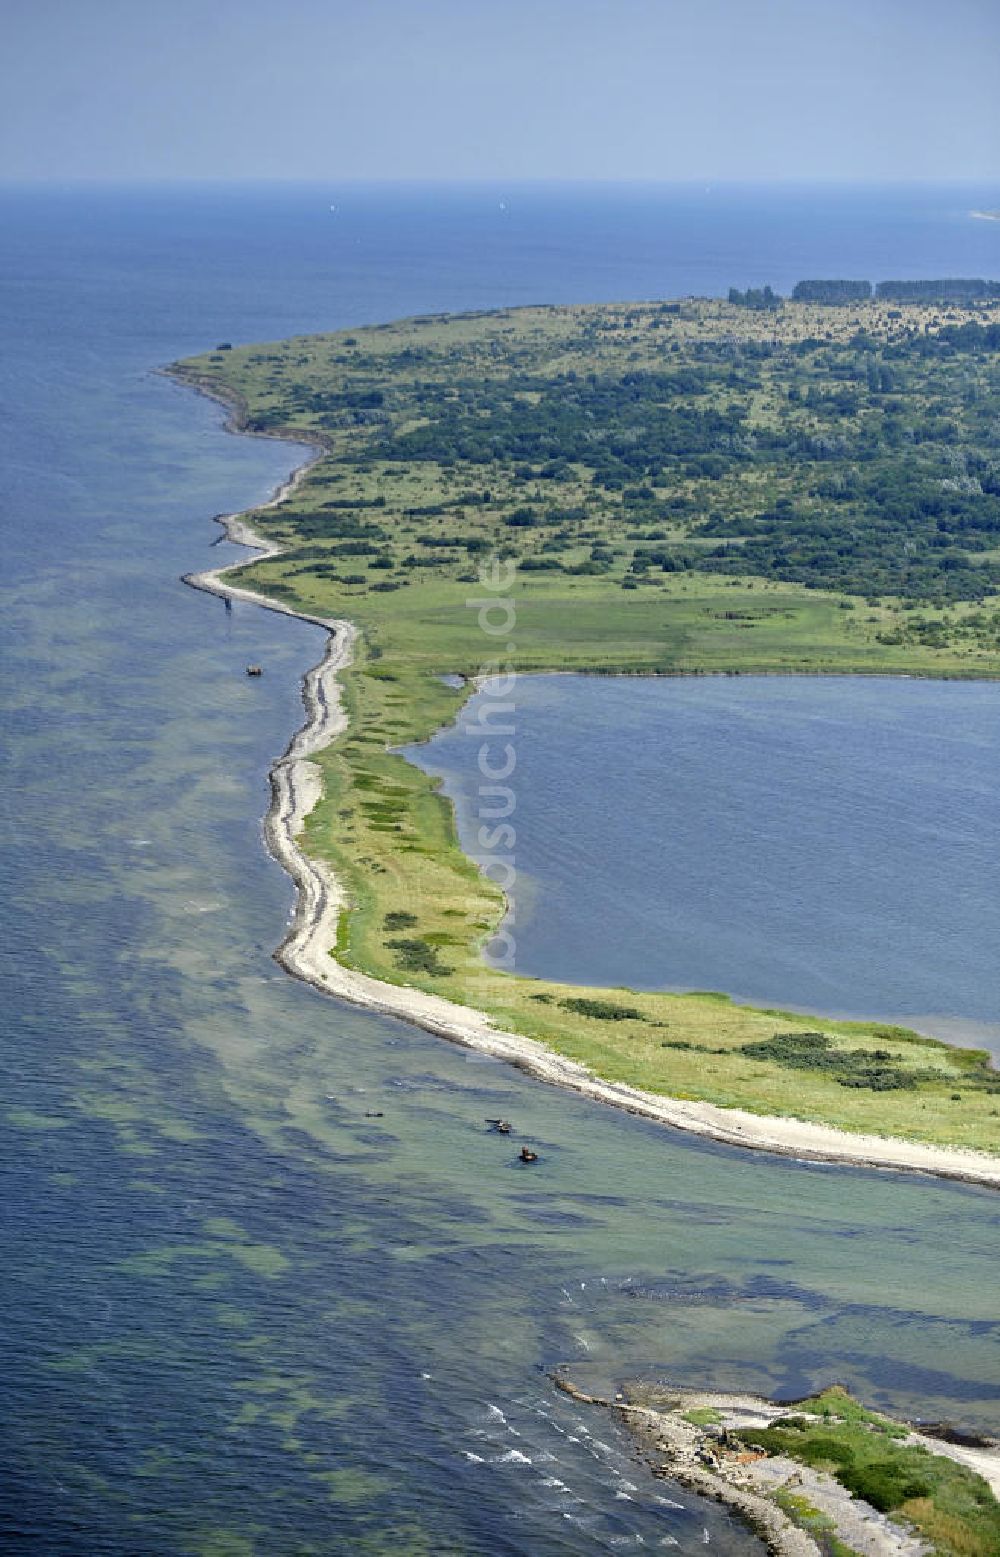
[865, 463]
[603, 1010]
[418, 956]
[950, 290]
[877, 1069]
[832, 292]
[895, 488]
[885, 1483]
[758, 298]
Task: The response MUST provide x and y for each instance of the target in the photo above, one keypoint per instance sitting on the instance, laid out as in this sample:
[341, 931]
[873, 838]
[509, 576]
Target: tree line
[953, 289]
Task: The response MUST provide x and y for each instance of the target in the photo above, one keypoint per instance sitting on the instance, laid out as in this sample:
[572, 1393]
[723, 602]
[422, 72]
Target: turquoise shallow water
[239, 1314]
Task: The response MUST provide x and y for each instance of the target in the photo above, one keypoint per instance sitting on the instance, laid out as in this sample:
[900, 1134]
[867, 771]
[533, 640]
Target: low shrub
[602, 1010]
[877, 1069]
[417, 956]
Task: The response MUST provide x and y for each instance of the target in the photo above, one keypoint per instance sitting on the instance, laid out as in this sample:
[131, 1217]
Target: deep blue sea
[241, 1315]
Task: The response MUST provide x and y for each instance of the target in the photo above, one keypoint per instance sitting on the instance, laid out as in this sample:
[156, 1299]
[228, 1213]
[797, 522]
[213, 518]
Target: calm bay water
[239, 1314]
[831, 844]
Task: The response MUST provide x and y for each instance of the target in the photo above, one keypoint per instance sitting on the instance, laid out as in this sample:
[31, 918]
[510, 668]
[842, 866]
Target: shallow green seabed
[223, 1231]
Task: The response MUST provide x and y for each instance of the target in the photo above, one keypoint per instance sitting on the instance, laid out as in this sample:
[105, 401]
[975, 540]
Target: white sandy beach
[306, 950]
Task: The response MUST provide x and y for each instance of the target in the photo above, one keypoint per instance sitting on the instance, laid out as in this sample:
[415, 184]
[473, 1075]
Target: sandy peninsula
[307, 948]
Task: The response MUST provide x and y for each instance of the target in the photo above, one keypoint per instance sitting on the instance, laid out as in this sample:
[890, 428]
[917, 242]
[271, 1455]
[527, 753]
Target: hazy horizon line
[707, 182]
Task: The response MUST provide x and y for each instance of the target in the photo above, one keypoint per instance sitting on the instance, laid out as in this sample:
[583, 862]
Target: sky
[124, 90]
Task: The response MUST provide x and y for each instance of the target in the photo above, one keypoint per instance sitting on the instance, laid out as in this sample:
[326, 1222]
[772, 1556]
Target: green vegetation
[953, 290]
[759, 298]
[832, 292]
[837, 448]
[881, 1070]
[671, 488]
[949, 1504]
[602, 1010]
[819, 1525]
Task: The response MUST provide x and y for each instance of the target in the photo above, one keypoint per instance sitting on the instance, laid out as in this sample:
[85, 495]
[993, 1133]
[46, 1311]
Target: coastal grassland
[421, 911]
[666, 499]
[949, 1504]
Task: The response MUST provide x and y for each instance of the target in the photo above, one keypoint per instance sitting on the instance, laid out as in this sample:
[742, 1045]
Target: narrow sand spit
[306, 950]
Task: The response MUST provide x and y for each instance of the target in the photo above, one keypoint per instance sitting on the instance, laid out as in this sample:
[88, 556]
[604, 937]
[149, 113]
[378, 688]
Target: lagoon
[828, 844]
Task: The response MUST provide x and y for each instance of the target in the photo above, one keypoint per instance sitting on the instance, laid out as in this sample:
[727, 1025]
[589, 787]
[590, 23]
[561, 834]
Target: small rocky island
[823, 1477]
